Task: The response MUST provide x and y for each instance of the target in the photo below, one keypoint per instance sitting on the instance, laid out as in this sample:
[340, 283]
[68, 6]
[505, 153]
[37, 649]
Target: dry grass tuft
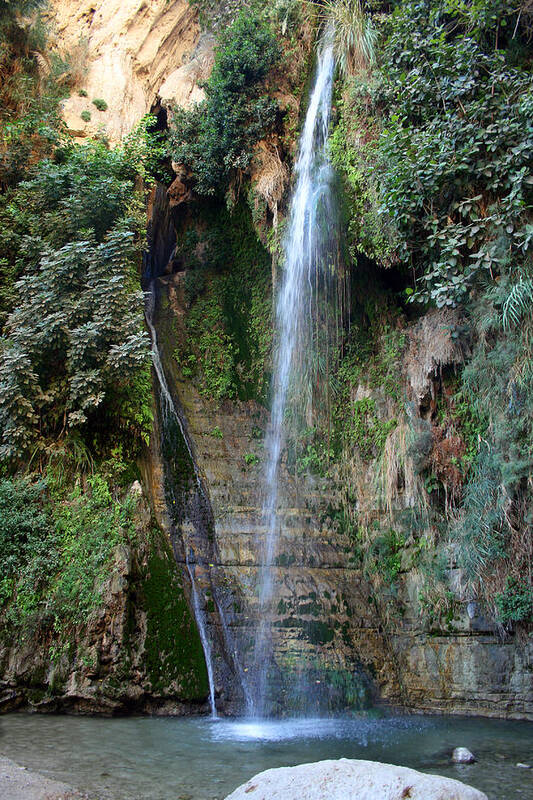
[270, 177]
[397, 481]
[354, 33]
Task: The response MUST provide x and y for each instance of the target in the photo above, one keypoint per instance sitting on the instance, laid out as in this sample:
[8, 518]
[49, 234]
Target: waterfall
[307, 252]
[169, 412]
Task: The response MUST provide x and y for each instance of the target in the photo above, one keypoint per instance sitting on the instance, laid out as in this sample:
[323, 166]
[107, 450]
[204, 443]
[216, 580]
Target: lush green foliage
[73, 343]
[229, 319]
[76, 330]
[25, 528]
[73, 349]
[56, 548]
[456, 150]
[30, 125]
[515, 603]
[216, 138]
[434, 147]
[354, 153]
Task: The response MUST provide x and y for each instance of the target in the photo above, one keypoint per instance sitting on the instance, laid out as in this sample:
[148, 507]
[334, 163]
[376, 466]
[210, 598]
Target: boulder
[462, 755]
[348, 779]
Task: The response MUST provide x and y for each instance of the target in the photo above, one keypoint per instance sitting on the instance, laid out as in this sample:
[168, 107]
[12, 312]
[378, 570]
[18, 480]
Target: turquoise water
[146, 758]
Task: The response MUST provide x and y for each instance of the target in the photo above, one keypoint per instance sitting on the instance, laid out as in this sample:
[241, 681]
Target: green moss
[353, 150]
[366, 430]
[173, 647]
[285, 560]
[229, 322]
[317, 631]
[515, 603]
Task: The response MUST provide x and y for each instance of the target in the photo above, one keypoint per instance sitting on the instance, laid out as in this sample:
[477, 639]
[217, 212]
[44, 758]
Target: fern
[518, 303]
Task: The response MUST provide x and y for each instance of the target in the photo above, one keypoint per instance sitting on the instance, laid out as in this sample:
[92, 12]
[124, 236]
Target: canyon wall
[337, 628]
[345, 637]
[130, 55]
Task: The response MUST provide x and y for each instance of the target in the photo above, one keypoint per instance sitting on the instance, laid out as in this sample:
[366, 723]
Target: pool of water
[143, 758]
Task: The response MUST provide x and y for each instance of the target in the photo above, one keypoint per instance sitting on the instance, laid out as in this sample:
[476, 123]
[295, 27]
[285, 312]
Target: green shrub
[89, 526]
[100, 104]
[455, 151]
[81, 349]
[74, 346]
[515, 603]
[24, 524]
[82, 93]
[386, 554]
[86, 116]
[56, 547]
[217, 137]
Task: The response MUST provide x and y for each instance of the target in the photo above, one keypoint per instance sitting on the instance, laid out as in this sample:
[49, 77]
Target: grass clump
[100, 104]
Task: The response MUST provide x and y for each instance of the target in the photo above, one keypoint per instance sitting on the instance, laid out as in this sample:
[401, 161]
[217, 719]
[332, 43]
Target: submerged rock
[348, 779]
[462, 755]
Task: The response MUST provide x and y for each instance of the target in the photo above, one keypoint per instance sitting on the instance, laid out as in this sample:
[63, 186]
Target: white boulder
[462, 755]
[348, 779]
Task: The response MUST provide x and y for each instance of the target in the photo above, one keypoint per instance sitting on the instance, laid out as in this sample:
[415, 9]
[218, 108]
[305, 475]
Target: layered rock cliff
[357, 631]
[355, 617]
[138, 650]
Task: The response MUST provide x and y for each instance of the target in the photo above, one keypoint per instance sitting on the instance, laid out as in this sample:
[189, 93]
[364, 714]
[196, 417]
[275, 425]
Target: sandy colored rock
[128, 50]
[348, 779]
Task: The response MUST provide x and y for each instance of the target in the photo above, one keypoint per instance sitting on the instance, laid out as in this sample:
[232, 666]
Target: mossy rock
[173, 650]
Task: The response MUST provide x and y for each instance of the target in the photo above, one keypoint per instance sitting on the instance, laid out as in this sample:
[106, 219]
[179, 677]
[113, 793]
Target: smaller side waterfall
[169, 412]
[311, 255]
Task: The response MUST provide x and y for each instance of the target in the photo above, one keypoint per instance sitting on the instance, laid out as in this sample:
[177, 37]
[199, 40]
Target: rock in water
[348, 779]
[462, 755]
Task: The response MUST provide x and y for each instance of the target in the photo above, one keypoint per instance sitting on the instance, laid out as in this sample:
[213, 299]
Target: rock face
[130, 53]
[462, 755]
[348, 779]
[331, 634]
[139, 651]
[329, 626]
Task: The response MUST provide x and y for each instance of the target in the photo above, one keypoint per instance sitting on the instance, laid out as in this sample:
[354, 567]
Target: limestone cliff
[356, 628]
[129, 54]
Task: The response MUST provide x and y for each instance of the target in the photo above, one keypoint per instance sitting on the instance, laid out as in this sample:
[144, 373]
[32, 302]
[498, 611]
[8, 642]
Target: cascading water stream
[168, 409]
[304, 248]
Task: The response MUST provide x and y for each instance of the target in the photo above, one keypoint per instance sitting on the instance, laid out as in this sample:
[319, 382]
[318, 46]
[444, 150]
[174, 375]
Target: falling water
[168, 410]
[305, 250]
